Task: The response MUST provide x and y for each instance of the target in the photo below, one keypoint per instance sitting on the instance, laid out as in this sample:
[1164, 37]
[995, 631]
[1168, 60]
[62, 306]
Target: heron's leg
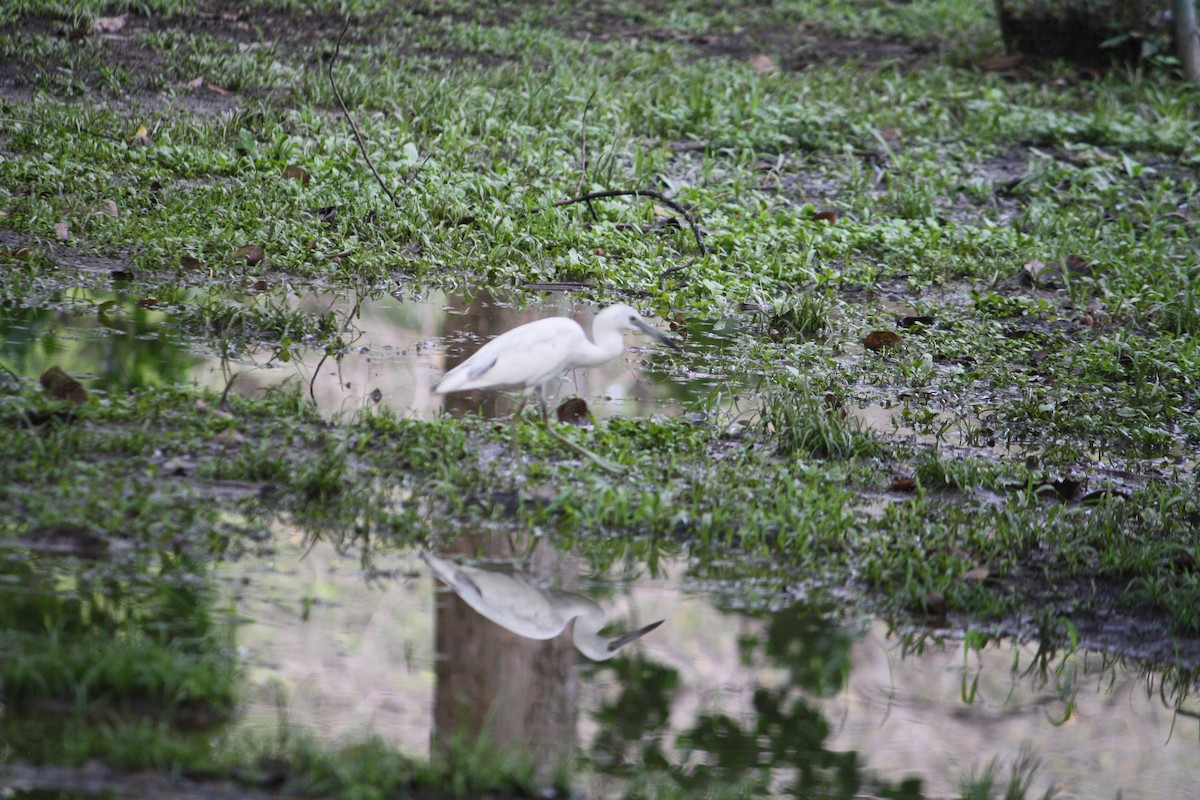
[598, 460]
[516, 419]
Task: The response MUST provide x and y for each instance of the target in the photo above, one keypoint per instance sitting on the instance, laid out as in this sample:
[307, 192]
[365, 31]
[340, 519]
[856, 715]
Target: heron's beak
[621, 641]
[656, 333]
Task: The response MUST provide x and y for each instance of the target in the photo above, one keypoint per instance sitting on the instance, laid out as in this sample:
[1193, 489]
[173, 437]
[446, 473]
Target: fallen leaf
[229, 436]
[20, 253]
[292, 172]
[259, 286]
[147, 302]
[903, 485]
[976, 574]
[108, 24]
[339, 255]
[763, 64]
[216, 89]
[251, 252]
[108, 208]
[1002, 63]
[190, 263]
[139, 139]
[122, 275]
[203, 408]
[826, 216]
[195, 83]
[879, 340]
[574, 411]
[61, 386]
[62, 230]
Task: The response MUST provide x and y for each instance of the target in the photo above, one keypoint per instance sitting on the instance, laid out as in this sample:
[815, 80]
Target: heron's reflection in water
[506, 678]
[515, 601]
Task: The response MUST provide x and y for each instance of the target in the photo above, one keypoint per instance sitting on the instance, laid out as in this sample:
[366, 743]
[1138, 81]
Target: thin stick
[583, 154]
[358, 136]
[311, 391]
[586, 198]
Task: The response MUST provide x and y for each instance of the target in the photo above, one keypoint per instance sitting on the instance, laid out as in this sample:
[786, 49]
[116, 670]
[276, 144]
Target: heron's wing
[523, 358]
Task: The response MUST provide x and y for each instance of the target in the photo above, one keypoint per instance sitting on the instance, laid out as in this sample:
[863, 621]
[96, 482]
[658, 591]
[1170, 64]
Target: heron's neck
[606, 347]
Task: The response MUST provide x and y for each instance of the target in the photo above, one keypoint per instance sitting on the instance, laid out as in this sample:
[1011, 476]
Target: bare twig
[659, 196]
[583, 155]
[312, 382]
[228, 385]
[357, 136]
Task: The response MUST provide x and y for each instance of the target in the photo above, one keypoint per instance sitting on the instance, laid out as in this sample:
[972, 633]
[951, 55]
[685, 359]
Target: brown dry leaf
[212, 87]
[148, 302]
[253, 254]
[976, 574]
[190, 263]
[879, 340]
[293, 172]
[573, 411]
[21, 253]
[903, 485]
[195, 83]
[826, 215]
[1001, 63]
[599, 251]
[62, 230]
[61, 386]
[338, 255]
[122, 275]
[763, 64]
[108, 24]
[203, 408]
[108, 208]
[139, 139]
[259, 286]
[229, 436]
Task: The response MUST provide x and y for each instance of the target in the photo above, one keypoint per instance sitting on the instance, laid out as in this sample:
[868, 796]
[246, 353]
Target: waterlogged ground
[916, 499]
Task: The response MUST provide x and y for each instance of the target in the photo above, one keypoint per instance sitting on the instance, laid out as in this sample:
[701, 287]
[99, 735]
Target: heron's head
[623, 317]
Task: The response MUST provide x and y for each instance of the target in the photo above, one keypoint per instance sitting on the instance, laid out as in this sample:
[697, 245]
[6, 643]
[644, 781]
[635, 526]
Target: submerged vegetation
[951, 310]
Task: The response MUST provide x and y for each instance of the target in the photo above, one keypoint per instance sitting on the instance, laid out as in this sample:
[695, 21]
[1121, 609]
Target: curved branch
[659, 196]
[362, 147]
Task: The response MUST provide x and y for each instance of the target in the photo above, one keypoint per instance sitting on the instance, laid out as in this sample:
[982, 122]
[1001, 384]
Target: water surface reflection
[788, 703]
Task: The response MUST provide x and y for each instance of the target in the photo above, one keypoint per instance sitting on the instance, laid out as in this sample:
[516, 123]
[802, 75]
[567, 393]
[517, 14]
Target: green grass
[946, 181]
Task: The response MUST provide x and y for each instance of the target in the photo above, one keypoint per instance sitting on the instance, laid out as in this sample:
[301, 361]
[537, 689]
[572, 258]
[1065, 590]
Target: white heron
[516, 603]
[529, 355]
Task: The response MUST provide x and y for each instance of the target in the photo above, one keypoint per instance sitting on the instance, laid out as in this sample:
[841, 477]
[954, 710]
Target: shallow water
[800, 700]
[713, 696]
[397, 350]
